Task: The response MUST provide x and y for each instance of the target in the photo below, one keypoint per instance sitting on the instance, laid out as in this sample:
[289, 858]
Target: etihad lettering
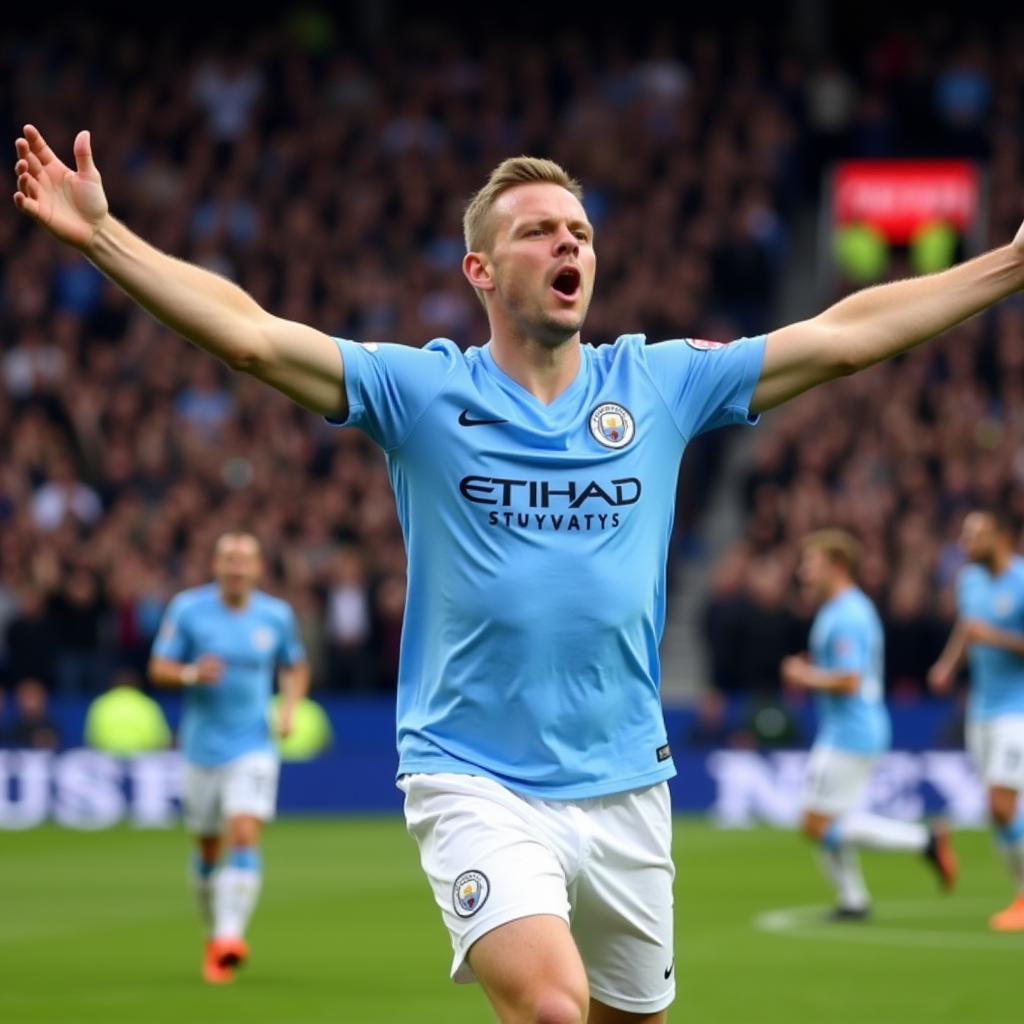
[507, 493]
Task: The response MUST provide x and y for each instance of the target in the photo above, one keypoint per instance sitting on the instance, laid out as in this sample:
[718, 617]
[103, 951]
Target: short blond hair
[516, 170]
[838, 545]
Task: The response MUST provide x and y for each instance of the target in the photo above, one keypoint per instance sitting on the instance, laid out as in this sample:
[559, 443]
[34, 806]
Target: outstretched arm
[797, 670]
[876, 323]
[206, 309]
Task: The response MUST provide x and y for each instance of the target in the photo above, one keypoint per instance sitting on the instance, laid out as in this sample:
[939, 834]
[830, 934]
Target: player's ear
[477, 268]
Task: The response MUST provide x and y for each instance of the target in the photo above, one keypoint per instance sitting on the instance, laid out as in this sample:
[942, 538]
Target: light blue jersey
[997, 676]
[847, 636]
[229, 719]
[537, 537]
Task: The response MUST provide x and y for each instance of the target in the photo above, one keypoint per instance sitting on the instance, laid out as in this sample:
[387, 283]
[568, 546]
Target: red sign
[899, 196]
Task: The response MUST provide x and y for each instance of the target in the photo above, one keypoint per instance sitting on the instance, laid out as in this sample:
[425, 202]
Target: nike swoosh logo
[465, 421]
[669, 969]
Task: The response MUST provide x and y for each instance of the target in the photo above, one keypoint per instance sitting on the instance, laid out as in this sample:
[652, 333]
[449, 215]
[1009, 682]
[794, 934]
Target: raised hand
[70, 204]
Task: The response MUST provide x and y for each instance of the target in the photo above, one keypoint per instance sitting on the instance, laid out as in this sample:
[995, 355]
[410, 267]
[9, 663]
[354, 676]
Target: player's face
[813, 574]
[542, 260]
[978, 537]
[237, 565]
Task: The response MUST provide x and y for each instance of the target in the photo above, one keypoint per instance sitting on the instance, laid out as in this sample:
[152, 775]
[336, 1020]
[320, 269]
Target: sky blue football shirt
[537, 537]
[847, 636]
[225, 721]
[997, 676]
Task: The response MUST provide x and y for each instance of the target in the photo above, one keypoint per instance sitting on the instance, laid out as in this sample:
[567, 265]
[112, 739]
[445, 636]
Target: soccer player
[990, 632]
[845, 669]
[534, 478]
[223, 643]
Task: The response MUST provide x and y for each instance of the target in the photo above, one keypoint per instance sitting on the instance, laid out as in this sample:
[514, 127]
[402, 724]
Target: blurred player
[535, 480]
[846, 669]
[990, 633]
[223, 643]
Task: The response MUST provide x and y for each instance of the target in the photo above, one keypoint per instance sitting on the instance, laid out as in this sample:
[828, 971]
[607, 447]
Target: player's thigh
[202, 794]
[623, 911]
[487, 858]
[531, 970]
[835, 781]
[1005, 766]
[250, 787]
[601, 1014]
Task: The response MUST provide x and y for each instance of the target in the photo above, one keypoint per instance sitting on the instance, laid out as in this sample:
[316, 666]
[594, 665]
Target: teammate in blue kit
[224, 643]
[534, 478]
[989, 632]
[845, 668]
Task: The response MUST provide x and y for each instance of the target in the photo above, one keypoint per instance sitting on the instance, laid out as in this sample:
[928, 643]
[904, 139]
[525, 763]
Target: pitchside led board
[885, 218]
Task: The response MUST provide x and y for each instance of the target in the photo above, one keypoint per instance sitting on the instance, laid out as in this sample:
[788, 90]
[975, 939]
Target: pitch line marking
[805, 922]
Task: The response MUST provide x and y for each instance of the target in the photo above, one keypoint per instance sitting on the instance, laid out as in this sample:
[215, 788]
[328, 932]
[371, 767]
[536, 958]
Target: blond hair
[516, 170]
[838, 545]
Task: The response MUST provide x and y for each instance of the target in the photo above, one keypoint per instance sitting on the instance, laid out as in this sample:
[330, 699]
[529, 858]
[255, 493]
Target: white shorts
[835, 780]
[247, 785]
[603, 865]
[996, 746]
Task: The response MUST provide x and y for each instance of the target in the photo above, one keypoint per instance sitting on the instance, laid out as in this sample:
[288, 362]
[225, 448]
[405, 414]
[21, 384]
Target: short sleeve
[291, 650]
[847, 649]
[172, 639]
[964, 605]
[707, 384]
[390, 386]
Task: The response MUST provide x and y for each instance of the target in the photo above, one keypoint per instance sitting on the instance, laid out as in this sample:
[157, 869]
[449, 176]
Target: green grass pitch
[100, 927]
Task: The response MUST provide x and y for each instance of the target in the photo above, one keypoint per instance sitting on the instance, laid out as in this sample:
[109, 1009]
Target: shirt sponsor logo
[569, 505]
[612, 425]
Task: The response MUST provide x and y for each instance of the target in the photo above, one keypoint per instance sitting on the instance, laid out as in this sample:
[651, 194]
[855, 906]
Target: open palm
[69, 203]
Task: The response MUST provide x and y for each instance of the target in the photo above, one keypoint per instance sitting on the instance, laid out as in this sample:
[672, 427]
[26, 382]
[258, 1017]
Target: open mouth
[567, 282]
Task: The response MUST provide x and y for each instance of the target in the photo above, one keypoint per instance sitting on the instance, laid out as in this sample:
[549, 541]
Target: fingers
[28, 185]
[83, 154]
[26, 205]
[38, 145]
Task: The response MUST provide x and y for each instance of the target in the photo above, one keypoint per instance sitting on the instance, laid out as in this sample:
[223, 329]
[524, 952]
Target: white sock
[842, 865]
[236, 889]
[1011, 845]
[873, 832]
[203, 878]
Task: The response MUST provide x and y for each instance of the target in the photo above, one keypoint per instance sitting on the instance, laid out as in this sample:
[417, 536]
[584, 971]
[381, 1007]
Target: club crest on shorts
[470, 892]
[612, 425]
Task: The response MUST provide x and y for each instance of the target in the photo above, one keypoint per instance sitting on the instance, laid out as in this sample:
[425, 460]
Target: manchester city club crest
[470, 892]
[262, 638]
[612, 425]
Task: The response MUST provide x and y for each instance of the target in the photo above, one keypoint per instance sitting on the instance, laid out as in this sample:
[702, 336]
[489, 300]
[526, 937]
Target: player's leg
[250, 795]
[205, 861]
[829, 793]
[1004, 777]
[532, 972]
[601, 1014]
[623, 906]
[498, 868]
[202, 804]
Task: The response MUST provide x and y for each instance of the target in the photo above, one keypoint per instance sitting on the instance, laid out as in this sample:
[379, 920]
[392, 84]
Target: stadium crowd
[329, 179]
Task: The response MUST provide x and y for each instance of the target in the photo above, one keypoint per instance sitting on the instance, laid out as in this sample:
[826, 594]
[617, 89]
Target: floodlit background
[743, 168]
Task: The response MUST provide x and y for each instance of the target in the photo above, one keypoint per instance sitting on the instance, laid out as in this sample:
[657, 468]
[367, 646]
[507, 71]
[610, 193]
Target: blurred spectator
[710, 729]
[348, 622]
[32, 727]
[30, 638]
